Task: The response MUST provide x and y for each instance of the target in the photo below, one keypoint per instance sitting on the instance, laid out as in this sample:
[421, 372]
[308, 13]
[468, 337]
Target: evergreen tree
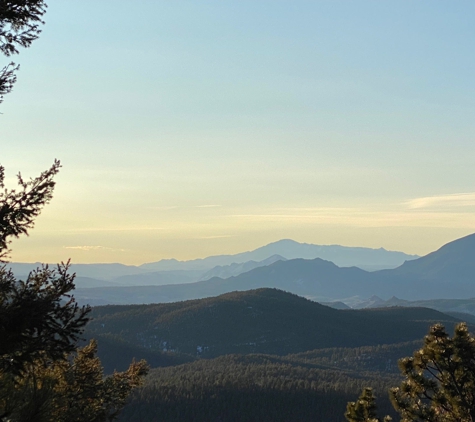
[20, 22]
[68, 390]
[364, 409]
[38, 317]
[40, 324]
[439, 383]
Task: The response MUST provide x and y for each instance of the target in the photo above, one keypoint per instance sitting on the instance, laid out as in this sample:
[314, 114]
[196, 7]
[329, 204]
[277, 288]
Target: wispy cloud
[207, 206]
[88, 248]
[183, 207]
[224, 236]
[164, 208]
[443, 201]
[113, 229]
[360, 217]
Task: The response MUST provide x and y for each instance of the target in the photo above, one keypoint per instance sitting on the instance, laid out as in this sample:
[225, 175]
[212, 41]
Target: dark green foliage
[382, 358]
[7, 79]
[364, 409]
[35, 320]
[250, 388]
[19, 208]
[20, 22]
[310, 386]
[68, 390]
[439, 383]
[257, 321]
[116, 354]
[40, 325]
[38, 317]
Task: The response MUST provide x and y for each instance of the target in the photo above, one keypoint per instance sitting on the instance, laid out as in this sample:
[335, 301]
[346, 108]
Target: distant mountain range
[226, 271]
[343, 256]
[445, 273]
[172, 271]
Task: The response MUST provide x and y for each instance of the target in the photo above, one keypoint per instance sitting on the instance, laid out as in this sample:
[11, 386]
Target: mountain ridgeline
[445, 273]
[172, 271]
[258, 321]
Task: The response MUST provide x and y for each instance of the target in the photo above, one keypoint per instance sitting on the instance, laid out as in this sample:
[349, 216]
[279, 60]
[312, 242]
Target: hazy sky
[187, 129]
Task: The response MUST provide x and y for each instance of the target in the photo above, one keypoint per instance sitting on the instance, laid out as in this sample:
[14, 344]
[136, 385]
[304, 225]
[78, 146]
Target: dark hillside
[258, 321]
[116, 354]
[262, 388]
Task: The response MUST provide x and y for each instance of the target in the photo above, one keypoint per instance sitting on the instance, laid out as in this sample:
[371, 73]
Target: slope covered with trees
[311, 386]
[258, 321]
[250, 388]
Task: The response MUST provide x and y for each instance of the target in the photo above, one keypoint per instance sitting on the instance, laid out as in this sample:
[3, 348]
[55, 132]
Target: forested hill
[263, 321]
[311, 386]
[256, 388]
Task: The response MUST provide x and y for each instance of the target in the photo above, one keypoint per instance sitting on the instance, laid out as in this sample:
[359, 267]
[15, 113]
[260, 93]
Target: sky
[188, 129]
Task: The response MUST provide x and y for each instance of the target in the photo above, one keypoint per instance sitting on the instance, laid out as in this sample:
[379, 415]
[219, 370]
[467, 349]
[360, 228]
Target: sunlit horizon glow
[187, 130]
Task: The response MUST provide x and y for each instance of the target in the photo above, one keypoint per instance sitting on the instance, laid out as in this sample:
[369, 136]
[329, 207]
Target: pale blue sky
[194, 128]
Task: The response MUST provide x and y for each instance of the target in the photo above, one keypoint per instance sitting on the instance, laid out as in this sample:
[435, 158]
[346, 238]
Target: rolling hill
[258, 321]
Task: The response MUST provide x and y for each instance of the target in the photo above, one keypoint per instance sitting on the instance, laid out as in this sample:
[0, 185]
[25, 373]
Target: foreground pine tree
[43, 376]
[439, 380]
[68, 390]
[439, 384]
[364, 409]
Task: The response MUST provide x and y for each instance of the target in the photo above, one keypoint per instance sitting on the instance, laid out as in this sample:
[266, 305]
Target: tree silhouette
[68, 390]
[38, 317]
[438, 385]
[439, 380]
[20, 22]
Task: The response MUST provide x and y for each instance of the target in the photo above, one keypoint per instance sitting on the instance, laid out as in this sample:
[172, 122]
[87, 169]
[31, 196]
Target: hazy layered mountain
[441, 274]
[159, 278]
[453, 261]
[172, 271]
[88, 282]
[461, 306]
[448, 273]
[336, 305]
[96, 271]
[316, 278]
[227, 271]
[343, 256]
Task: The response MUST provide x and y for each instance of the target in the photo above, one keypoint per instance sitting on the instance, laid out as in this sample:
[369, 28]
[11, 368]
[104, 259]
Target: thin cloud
[224, 236]
[358, 217]
[208, 206]
[174, 207]
[88, 248]
[164, 208]
[113, 229]
[443, 201]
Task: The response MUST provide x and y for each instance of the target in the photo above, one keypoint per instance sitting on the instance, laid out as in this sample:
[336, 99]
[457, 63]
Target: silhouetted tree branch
[20, 22]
